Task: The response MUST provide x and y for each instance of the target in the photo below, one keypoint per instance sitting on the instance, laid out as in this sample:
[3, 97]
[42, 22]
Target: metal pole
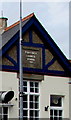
[20, 65]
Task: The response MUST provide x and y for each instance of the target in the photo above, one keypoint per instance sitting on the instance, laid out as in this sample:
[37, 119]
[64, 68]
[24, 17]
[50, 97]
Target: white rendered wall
[50, 85]
[10, 82]
[0, 81]
[54, 85]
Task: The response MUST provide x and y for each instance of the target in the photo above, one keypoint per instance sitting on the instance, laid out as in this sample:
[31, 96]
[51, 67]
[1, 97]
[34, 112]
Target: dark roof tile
[13, 29]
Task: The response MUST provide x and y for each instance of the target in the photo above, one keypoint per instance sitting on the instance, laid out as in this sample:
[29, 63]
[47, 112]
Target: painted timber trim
[11, 59]
[33, 71]
[48, 41]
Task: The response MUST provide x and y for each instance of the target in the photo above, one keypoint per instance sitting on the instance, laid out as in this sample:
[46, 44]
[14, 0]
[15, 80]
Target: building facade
[46, 73]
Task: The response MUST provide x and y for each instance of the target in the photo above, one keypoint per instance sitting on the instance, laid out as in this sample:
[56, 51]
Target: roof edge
[16, 23]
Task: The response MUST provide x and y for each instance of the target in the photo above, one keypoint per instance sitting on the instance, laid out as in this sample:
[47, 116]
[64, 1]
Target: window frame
[57, 108]
[29, 93]
[2, 114]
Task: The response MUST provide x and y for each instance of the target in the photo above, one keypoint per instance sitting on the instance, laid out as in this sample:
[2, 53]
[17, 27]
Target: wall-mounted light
[5, 97]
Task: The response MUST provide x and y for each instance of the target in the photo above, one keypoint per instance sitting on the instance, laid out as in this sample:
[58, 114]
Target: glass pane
[31, 84]
[36, 84]
[60, 102]
[31, 89]
[25, 89]
[51, 112]
[25, 105]
[25, 98]
[24, 83]
[31, 97]
[55, 118]
[51, 118]
[32, 118]
[36, 113]
[60, 112]
[36, 105]
[25, 112]
[31, 113]
[36, 90]
[36, 98]
[5, 110]
[31, 105]
[55, 112]
[5, 117]
[25, 118]
[60, 118]
[55, 100]
[37, 119]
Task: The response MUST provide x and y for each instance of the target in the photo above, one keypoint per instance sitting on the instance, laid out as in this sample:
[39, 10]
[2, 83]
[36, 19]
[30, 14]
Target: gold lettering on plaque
[32, 57]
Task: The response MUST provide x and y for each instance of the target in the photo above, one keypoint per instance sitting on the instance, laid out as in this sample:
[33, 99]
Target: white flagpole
[20, 65]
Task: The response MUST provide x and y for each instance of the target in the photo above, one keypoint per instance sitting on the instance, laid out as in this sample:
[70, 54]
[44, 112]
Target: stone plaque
[31, 57]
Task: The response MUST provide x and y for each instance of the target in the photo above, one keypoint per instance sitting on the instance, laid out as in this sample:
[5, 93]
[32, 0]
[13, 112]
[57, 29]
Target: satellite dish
[7, 96]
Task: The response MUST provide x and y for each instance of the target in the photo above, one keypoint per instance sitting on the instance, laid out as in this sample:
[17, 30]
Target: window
[4, 113]
[31, 100]
[56, 107]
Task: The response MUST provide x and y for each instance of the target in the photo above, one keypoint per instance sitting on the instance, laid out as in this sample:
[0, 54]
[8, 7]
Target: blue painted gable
[48, 42]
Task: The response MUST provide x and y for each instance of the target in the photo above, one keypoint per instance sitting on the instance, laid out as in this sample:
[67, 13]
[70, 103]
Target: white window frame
[2, 114]
[28, 93]
[57, 108]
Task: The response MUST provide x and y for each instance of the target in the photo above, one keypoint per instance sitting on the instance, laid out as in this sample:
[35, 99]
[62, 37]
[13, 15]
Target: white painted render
[54, 85]
[10, 82]
[0, 81]
[50, 85]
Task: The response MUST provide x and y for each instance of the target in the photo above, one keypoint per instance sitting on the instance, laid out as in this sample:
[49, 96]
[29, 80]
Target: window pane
[25, 98]
[36, 84]
[5, 113]
[55, 100]
[32, 118]
[25, 105]
[51, 118]
[25, 118]
[36, 118]
[36, 98]
[31, 97]
[60, 118]
[5, 110]
[31, 113]
[25, 112]
[60, 101]
[55, 118]
[51, 112]
[36, 105]
[5, 117]
[25, 89]
[60, 112]
[36, 90]
[36, 113]
[31, 84]
[31, 89]
[55, 112]
[31, 105]
[24, 83]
